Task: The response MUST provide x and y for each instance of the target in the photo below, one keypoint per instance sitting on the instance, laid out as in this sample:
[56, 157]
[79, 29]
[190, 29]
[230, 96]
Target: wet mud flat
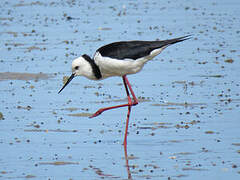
[186, 125]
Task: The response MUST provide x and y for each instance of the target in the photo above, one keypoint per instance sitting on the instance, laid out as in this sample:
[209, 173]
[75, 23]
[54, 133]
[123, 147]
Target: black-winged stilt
[119, 59]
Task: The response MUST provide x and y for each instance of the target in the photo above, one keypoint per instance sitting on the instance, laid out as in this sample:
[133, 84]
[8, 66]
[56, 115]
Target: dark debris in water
[194, 169]
[229, 61]
[23, 76]
[50, 130]
[80, 114]
[24, 107]
[211, 76]
[185, 104]
[162, 125]
[210, 132]
[236, 144]
[1, 116]
[59, 163]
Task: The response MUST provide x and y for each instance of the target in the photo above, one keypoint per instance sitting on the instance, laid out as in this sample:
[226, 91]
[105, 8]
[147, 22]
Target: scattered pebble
[1, 116]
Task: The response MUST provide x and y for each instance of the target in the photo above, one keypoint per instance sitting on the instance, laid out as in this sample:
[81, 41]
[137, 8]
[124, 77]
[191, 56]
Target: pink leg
[135, 101]
[129, 110]
[130, 103]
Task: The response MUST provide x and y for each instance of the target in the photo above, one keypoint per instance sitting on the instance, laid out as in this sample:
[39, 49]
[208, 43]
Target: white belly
[114, 67]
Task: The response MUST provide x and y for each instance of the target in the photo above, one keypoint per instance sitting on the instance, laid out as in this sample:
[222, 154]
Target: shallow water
[186, 125]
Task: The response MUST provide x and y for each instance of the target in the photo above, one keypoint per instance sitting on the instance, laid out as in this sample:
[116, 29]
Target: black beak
[68, 81]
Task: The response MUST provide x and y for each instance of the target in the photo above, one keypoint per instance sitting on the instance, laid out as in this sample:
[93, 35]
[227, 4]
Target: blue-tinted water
[186, 125]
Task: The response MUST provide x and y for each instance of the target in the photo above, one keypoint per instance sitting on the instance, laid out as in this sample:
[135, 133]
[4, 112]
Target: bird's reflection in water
[102, 174]
[126, 162]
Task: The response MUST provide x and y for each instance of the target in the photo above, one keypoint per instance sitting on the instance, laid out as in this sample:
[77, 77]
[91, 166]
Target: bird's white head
[77, 66]
[80, 67]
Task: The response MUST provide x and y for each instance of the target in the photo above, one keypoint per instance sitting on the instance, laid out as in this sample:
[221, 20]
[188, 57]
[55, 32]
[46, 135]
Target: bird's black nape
[95, 68]
[68, 81]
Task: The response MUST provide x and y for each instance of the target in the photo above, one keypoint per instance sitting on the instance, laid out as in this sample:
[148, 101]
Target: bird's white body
[114, 67]
[111, 67]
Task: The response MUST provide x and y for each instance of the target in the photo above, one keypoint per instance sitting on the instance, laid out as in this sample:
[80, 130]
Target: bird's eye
[76, 68]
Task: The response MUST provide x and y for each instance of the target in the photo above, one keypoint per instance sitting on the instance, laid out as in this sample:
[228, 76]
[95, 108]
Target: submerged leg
[126, 162]
[126, 129]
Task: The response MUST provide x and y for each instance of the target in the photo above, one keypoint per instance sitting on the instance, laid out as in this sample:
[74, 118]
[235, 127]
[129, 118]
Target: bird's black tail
[176, 40]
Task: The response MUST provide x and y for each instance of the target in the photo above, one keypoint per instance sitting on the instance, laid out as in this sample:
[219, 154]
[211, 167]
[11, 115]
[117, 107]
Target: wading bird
[119, 59]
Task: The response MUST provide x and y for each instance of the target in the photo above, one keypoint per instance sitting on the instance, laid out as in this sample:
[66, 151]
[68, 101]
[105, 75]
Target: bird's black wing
[135, 49]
